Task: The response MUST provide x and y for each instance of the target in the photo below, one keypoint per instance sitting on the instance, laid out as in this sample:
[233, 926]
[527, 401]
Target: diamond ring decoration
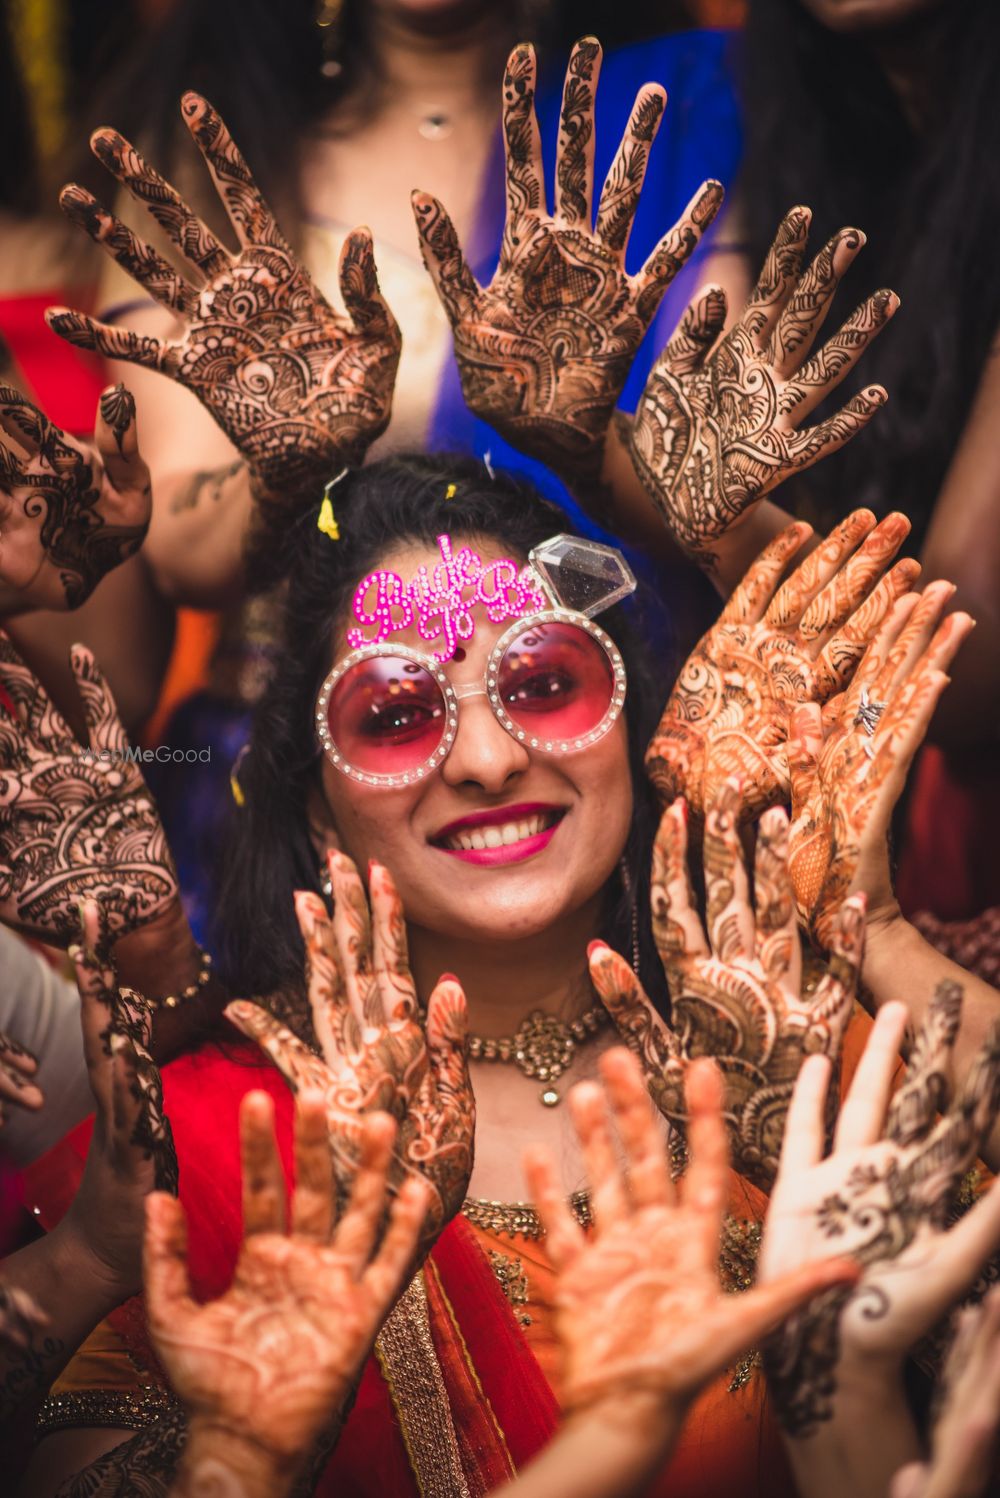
[867, 716]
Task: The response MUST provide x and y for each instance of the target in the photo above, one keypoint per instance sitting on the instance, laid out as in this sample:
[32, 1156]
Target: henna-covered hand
[75, 820]
[376, 1051]
[638, 1303]
[544, 350]
[772, 649]
[70, 512]
[718, 425]
[17, 1067]
[262, 1369]
[883, 1196]
[299, 388]
[846, 781]
[736, 997]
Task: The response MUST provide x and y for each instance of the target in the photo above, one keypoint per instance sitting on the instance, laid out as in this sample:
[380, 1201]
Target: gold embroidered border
[132, 1409]
[410, 1367]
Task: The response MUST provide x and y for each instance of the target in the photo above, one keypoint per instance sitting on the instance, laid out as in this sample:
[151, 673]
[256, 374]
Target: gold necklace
[542, 1047]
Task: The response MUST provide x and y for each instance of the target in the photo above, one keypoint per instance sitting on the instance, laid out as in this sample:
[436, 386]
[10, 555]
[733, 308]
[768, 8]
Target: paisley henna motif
[544, 350]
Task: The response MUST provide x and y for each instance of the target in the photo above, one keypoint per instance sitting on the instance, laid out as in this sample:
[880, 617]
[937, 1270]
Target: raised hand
[736, 997]
[263, 1368]
[638, 1303]
[719, 423]
[377, 1052]
[75, 820]
[772, 649]
[544, 350]
[882, 1196]
[298, 388]
[69, 511]
[849, 763]
[17, 1068]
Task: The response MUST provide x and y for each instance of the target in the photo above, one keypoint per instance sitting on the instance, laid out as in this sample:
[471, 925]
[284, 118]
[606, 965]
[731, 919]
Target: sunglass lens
[386, 715]
[556, 682]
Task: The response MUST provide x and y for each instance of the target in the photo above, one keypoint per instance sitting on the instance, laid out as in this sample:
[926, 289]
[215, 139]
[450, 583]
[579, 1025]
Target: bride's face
[501, 841]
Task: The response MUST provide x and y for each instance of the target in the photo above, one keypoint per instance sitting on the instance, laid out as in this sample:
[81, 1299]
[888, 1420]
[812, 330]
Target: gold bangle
[172, 1001]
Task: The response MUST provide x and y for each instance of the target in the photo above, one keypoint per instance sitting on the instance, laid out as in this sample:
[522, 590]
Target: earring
[623, 869]
[325, 882]
[328, 17]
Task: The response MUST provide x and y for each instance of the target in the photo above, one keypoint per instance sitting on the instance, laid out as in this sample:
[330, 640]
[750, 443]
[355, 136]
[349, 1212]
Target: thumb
[447, 1031]
[116, 438]
[805, 740]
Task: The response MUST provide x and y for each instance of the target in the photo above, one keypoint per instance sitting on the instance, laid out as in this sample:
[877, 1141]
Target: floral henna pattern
[736, 997]
[17, 1085]
[544, 350]
[773, 649]
[75, 820]
[299, 388]
[718, 425]
[69, 513]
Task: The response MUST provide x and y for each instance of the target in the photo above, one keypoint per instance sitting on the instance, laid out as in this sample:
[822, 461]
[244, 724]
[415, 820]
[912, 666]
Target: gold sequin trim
[409, 1363]
[513, 1282]
[519, 1217]
[132, 1409]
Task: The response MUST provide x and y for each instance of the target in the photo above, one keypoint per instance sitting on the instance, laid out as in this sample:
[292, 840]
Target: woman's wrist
[227, 1463]
[161, 958]
[75, 1258]
[867, 1436]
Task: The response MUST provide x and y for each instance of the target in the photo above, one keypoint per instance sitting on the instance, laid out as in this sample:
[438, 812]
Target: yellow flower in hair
[451, 491]
[327, 521]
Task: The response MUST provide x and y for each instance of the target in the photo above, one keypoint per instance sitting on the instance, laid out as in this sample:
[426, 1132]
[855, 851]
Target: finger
[249, 214]
[977, 1103]
[443, 258]
[838, 356]
[805, 311]
[15, 1088]
[862, 1114]
[805, 1127]
[447, 1031]
[312, 1199]
[823, 562]
[355, 1233]
[779, 274]
[100, 712]
[638, 1128]
[703, 1188]
[116, 438]
[333, 1020]
[621, 993]
[353, 937]
[94, 981]
[728, 916]
[194, 239]
[522, 142]
[393, 978]
[777, 931]
[620, 194]
[840, 664]
[589, 1112]
[833, 1002]
[676, 248]
[114, 343]
[959, 1255]
[677, 928]
[165, 1279]
[136, 258]
[903, 729]
[913, 639]
[853, 581]
[296, 1063]
[575, 151]
[398, 1249]
[917, 1104]
[263, 1177]
[29, 426]
[697, 331]
[564, 1237]
[359, 287]
[753, 593]
[829, 436]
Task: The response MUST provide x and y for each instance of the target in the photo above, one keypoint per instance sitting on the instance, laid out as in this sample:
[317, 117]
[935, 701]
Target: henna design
[208, 483]
[718, 425]
[297, 387]
[74, 820]
[737, 997]
[772, 649]
[544, 350]
[844, 782]
[65, 521]
[142, 1467]
[17, 1067]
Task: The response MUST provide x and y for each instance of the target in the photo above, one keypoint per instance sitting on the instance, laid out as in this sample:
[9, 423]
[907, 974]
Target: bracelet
[172, 1001]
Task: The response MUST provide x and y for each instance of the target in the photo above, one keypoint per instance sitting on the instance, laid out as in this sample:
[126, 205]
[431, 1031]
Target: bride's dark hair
[267, 852]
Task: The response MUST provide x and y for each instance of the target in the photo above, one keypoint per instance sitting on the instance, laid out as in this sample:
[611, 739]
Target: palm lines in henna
[544, 350]
[717, 425]
[300, 389]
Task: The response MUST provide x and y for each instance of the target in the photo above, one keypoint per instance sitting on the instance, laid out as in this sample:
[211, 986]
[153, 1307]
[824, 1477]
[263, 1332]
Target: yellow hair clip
[327, 521]
[451, 491]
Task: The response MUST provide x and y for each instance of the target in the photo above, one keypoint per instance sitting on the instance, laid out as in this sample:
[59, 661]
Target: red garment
[63, 380]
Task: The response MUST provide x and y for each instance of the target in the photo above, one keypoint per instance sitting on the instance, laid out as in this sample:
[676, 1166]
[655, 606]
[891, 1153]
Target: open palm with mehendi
[267, 1364]
[772, 649]
[298, 388]
[70, 511]
[737, 996]
[718, 425]
[882, 1196]
[75, 820]
[544, 350]
[376, 1051]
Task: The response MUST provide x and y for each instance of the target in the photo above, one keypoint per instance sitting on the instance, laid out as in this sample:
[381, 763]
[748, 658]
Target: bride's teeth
[493, 836]
[500, 837]
[477, 840]
[512, 833]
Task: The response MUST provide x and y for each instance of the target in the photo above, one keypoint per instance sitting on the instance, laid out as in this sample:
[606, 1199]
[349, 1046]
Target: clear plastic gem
[583, 575]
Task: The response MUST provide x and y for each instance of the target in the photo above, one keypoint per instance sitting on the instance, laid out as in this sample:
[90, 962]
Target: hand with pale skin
[264, 1368]
[20, 1318]
[737, 995]
[70, 512]
[964, 1436]
[883, 1196]
[377, 1052]
[845, 782]
[774, 647]
[75, 820]
[17, 1067]
[719, 424]
[544, 350]
[298, 388]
